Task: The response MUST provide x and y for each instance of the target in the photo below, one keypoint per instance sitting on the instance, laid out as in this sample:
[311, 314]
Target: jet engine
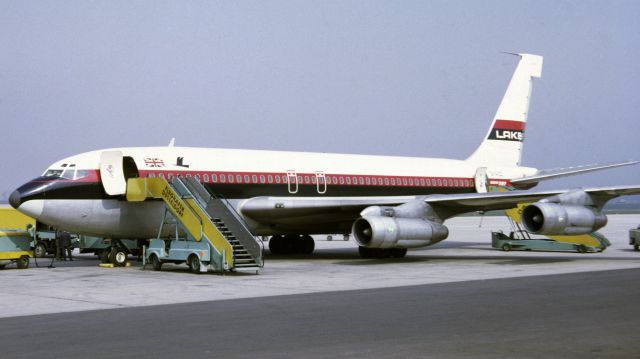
[389, 232]
[555, 218]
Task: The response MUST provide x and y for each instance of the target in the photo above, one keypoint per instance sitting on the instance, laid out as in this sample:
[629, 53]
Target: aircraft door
[481, 180]
[292, 181]
[321, 182]
[112, 173]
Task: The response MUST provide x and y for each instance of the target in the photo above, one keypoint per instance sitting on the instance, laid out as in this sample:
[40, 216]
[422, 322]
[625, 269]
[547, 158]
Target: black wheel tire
[582, 248]
[382, 253]
[291, 244]
[398, 252]
[275, 244]
[307, 244]
[365, 252]
[40, 251]
[636, 247]
[23, 263]
[118, 257]
[155, 262]
[103, 256]
[2, 266]
[194, 264]
[506, 247]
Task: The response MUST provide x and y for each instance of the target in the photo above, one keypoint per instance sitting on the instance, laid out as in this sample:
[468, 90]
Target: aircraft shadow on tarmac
[350, 256]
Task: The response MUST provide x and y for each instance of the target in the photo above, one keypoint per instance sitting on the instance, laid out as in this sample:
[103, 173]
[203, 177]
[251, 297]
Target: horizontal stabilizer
[544, 175]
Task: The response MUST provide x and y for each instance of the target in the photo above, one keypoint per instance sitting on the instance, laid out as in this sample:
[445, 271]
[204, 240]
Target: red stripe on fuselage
[269, 178]
[509, 125]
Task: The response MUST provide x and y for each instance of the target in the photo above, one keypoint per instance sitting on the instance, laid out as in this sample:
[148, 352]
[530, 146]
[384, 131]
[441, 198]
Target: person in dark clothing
[65, 246]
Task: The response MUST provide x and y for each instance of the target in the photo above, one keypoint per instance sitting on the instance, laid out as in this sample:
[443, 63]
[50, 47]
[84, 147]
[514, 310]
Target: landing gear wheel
[307, 244]
[40, 250]
[155, 262]
[506, 247]
[291, 243]
[398, 252]
[103, 256]
[2, 266]
[194, 264]
[118, 257]
[582, 248]
[23, 263]
[276, 245]
[365, 252]
[636, 247]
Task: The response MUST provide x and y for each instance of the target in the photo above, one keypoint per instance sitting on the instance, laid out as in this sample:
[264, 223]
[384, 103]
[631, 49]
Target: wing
[335, 214]
[543, 175]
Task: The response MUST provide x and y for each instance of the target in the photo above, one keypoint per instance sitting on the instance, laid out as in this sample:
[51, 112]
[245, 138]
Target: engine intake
[553, 218]
[389, 232]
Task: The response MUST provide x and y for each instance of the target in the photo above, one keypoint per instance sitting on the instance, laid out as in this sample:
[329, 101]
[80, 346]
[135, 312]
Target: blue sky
[415, 78]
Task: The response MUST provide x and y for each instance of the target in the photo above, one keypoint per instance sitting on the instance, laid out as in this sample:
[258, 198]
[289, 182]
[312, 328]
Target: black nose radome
[15, 199]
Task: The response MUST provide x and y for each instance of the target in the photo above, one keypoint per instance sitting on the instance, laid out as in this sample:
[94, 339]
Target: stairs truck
[209, 234]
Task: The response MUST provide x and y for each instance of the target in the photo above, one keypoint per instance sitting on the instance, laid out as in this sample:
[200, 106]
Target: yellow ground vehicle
[15, 246]
[15, 241]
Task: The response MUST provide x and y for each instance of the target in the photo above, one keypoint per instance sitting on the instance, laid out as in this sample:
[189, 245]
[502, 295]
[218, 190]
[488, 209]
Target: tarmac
[454, 299]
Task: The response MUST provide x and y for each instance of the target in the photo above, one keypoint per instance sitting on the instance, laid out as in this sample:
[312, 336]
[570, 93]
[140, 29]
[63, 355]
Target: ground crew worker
[65, 245]
[56, 243]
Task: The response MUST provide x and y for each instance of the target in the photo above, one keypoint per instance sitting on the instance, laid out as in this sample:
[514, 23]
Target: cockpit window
[68, 171]
[53, 173]
[80, 174]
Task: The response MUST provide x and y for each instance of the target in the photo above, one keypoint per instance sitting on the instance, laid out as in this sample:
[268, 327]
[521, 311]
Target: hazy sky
[416, 78]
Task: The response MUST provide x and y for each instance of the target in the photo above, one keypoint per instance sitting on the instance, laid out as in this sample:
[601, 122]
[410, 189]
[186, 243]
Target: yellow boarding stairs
[216, 236]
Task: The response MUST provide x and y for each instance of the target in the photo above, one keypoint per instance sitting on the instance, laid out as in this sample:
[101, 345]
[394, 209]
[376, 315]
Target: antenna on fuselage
[172, 142]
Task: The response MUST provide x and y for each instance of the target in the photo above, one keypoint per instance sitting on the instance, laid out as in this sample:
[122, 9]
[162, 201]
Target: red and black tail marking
[507, 130]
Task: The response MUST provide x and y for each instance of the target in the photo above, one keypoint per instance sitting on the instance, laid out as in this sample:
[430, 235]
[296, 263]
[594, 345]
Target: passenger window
[223, 178]
[214, 178]
[206, 178]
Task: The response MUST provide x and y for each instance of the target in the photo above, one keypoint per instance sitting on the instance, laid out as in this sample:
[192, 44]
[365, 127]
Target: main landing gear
[382, 252]
[292, 244]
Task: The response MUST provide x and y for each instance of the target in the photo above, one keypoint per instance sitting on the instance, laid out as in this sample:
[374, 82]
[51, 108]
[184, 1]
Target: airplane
[389, 204]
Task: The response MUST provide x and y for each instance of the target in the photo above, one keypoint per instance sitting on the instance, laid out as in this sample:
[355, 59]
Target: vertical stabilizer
[503, 144]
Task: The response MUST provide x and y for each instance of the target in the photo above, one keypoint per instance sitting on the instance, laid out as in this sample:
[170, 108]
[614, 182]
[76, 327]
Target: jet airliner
[389, 204]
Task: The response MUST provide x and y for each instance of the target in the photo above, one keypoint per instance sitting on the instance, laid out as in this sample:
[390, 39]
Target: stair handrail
[240, 220]
[204, 196]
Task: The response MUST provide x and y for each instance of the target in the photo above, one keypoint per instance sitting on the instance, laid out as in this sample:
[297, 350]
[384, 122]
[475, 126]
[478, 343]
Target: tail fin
[503, 144]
